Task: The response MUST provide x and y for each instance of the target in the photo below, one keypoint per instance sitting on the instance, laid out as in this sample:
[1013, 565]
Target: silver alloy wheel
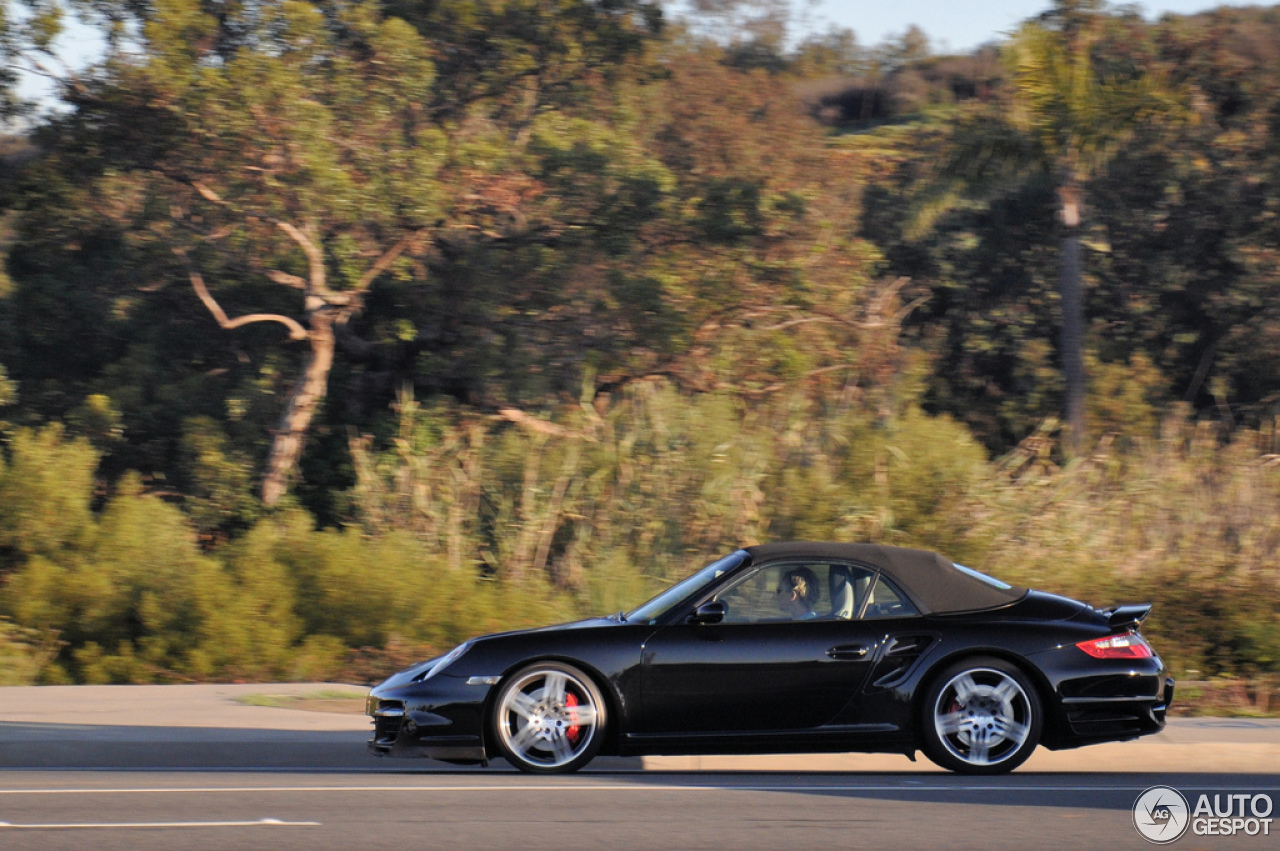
[982, 716]
[548, 718]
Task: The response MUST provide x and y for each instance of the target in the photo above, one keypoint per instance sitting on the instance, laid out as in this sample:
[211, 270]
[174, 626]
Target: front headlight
[449, 658]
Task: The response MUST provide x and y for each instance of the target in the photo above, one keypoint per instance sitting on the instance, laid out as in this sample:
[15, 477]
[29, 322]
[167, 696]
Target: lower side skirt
[859, 738]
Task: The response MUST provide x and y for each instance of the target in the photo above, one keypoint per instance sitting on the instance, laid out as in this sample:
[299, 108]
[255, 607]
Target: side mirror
[709, 612]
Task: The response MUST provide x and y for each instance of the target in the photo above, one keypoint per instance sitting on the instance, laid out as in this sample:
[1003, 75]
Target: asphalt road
[498, 808]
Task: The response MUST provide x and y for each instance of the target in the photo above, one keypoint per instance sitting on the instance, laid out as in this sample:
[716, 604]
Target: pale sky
[952, 25]
[960, 24]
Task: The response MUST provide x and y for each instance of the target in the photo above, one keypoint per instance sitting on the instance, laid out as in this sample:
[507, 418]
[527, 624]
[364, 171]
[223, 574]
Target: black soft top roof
[932, 581]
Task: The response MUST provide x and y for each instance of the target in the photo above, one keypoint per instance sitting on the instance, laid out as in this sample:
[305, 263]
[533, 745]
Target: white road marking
[272, 822]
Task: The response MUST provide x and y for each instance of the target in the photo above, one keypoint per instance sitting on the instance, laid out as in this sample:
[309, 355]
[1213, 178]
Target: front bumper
[444, 721]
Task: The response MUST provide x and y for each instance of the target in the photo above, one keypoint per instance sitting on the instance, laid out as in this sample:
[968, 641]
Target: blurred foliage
[24, 653]
[47, 489]
[474, 525]
[130, 597]
[1178, 236]
[660, 481]
[1179, 519]
[657, 289]
[8, 397]
[220, 490]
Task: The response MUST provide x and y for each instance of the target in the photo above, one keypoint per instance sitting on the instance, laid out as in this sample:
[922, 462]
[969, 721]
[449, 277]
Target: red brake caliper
[570, 701]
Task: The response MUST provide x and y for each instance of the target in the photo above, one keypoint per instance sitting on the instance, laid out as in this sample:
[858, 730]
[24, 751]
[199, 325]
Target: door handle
[848, 651]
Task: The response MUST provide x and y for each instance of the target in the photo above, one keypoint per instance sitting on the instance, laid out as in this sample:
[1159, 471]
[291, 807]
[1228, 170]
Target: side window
[886, 601]
[751, 599]
[797, 591]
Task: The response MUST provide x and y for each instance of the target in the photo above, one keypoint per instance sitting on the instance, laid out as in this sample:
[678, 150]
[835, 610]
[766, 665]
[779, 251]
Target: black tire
[549, 718]
[981, 715]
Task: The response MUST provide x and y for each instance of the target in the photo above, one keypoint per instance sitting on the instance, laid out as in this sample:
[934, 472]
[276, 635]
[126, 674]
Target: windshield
[661, 604]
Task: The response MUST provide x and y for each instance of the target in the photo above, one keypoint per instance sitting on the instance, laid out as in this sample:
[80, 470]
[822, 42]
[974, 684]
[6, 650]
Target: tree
[1193, 228]
[1071, 107]
[314, 147]
[304, 150]
[8, 79]
[23, 35]
[510, 204]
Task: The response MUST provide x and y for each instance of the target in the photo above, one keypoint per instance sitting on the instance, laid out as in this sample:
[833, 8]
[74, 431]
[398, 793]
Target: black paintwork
[676, 686]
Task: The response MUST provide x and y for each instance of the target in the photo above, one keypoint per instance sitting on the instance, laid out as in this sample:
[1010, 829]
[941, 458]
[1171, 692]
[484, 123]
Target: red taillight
[1127, 646]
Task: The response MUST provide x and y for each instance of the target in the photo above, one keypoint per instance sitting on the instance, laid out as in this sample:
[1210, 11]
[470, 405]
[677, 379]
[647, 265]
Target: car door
[760, 669]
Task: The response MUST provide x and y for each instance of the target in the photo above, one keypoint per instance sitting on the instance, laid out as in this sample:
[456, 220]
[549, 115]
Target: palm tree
[1067, 114]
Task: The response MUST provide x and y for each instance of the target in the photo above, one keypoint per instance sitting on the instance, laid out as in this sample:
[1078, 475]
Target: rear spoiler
[1127, 617]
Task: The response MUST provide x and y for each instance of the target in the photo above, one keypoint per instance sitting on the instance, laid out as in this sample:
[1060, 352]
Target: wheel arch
[1044, 690]
[612, 703]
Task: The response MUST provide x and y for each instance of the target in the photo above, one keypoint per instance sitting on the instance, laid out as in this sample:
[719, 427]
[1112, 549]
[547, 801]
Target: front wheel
[549, 718]
[981, 716]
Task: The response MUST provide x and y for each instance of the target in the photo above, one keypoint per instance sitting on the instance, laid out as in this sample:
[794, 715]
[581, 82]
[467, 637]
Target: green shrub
[8, 389]
[472, 526]
[46, 490]
[135, 601]
[611, 508]
[1185, 521]
[23, 653]
[220, 482]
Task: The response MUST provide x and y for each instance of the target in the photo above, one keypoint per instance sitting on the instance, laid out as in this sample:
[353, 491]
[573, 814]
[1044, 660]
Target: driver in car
[798, 593]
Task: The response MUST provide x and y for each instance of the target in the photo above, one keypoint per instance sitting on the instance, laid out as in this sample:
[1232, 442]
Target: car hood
[409, 674]
[421, 669]
[582, 624]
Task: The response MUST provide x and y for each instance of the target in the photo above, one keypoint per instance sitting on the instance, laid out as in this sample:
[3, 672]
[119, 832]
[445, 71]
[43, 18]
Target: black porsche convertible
[788, 648]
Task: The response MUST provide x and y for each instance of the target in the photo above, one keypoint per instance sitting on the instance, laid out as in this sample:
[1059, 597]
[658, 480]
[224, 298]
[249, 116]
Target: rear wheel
[549, 718]
[981, 716]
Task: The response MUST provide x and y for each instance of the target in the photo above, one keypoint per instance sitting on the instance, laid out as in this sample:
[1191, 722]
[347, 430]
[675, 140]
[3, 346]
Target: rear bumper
[1092, 719]
[1100, 700]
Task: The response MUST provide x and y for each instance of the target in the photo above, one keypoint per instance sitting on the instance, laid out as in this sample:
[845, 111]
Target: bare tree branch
[901, 315]
[783, 385]
[208, 194]
[789, 323]
[36, 67]
[315, 258]
[296, 331]
[384, 262]
[879, 304]
[287, 279]
[532, 423]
